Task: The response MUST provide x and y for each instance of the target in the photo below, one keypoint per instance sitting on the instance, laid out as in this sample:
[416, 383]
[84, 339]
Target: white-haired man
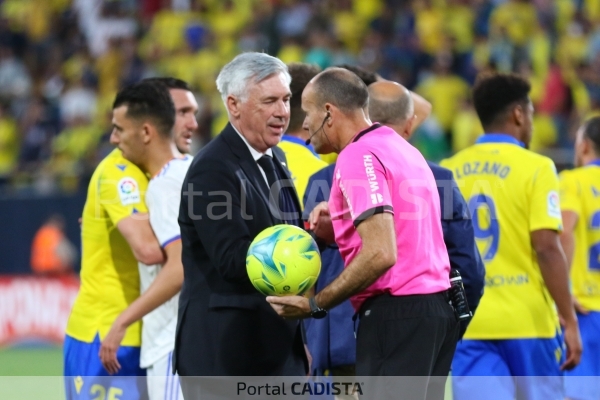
[225, 326]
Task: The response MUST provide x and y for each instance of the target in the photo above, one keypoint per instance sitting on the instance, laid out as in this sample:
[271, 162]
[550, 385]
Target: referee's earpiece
[328, 115]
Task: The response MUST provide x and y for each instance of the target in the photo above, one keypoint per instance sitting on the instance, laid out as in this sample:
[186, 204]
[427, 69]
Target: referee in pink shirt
[384, 214]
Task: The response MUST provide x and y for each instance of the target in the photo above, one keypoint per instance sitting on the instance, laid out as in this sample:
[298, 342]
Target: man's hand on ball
[290, 306]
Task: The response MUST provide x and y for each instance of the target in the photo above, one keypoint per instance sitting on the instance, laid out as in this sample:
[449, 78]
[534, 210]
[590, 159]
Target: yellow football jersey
[580, 193]
[511, 192]
[302, 162]
[110, 280]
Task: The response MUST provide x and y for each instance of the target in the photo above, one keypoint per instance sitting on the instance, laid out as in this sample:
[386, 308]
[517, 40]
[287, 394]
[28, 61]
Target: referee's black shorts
[413, 336]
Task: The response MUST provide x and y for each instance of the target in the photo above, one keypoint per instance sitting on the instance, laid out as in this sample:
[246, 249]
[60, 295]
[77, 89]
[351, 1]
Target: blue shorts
[583, 382]
[86, 378]
[508, 369]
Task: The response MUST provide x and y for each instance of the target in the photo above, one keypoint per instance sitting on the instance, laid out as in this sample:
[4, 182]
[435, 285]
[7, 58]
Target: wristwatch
[315, 311]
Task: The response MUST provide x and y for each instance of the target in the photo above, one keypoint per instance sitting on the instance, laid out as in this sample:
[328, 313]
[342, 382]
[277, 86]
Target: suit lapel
[247, 163]
[283, 171]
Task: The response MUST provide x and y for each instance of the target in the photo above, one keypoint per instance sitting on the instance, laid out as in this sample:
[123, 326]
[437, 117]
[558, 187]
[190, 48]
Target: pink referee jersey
[381, 172]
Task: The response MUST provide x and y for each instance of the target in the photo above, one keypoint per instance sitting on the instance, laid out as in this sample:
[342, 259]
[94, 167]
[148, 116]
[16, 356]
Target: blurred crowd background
[62, 62]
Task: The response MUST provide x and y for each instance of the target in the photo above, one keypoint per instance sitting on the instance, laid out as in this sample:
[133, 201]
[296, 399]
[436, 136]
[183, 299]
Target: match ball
[283, 260]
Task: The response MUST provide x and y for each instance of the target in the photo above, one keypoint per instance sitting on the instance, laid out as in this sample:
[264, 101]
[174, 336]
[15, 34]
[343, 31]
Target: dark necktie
[267, 164]
[285, 203]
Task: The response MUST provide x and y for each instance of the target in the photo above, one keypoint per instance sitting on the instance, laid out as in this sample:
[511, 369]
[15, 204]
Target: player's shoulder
[173, 171]
[525, 156]
[457, 158]
[576, 173]
[114, 165]
[570, 174]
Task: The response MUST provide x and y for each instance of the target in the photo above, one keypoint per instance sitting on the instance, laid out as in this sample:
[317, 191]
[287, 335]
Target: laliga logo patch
[129, 191]
[127, 186]
[553, 204]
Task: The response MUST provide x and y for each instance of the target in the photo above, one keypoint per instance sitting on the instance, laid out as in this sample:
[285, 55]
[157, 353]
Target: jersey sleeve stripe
[372, 211]
[171, 240]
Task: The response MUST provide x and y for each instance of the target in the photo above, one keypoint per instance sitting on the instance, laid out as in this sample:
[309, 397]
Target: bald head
[390, 103]
[340, 87]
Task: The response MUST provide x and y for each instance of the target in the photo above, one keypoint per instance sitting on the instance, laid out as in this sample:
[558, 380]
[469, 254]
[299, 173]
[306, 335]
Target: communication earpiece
[317, 131]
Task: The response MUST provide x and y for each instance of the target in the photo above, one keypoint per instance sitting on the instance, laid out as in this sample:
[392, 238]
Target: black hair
[342, 88]
[170, 82]
[149, 100]
[591, 131]
[495, 93]
[301, 74]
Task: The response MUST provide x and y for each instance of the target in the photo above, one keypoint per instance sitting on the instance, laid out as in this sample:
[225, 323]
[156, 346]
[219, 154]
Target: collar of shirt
[365, 131]
[255, 153]
[498, 138]
[297, 140]
[595, 162]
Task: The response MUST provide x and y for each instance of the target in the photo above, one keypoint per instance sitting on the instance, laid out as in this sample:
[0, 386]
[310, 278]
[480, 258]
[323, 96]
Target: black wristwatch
[315, 311]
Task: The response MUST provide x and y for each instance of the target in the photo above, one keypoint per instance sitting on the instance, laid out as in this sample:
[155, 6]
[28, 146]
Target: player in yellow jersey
[115, 234]
[580, 205]
[512, 194]
[119, 225]
[302, 160]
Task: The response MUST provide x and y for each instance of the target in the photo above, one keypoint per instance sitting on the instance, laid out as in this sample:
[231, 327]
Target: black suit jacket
[225, 327]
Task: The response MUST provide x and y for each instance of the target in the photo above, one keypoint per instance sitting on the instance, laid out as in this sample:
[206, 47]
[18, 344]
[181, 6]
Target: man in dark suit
[236, 187]
[392, 105]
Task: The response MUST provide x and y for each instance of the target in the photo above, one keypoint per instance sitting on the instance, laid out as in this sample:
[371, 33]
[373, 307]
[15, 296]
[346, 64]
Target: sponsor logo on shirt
[553, 204]
[506, 280]
[376, 198]
[129, 191]
[370, 171]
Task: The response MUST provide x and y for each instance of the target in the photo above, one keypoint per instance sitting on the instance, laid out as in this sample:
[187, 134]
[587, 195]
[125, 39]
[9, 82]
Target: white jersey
[162, 199]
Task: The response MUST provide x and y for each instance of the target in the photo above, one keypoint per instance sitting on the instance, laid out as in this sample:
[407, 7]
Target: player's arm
[553, 265]
[167, 284]
[122, 196]
[570, 205]
[377, 255]
[137, 231]
[422, 110]
[567, 236]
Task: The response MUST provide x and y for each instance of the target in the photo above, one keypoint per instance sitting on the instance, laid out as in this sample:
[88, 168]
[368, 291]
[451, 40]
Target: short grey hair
[245, 68]
[398, 111]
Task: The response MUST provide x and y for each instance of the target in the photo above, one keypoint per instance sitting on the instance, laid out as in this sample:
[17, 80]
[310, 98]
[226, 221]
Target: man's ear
[233, 106]
[586, 145]
[408, 128]
[148, 131]
[331, 112]
[518, 114]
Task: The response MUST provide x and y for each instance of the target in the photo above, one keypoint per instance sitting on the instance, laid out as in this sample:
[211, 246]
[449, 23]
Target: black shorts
[412, 336]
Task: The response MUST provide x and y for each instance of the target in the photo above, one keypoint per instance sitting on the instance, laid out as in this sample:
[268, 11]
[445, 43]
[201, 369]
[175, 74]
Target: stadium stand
[62, 61]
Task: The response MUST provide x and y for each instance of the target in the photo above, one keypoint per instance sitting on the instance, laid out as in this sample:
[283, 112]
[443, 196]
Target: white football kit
[158, 329]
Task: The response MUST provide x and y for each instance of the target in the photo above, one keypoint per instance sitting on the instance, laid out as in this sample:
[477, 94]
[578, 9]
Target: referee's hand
[292, 307]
